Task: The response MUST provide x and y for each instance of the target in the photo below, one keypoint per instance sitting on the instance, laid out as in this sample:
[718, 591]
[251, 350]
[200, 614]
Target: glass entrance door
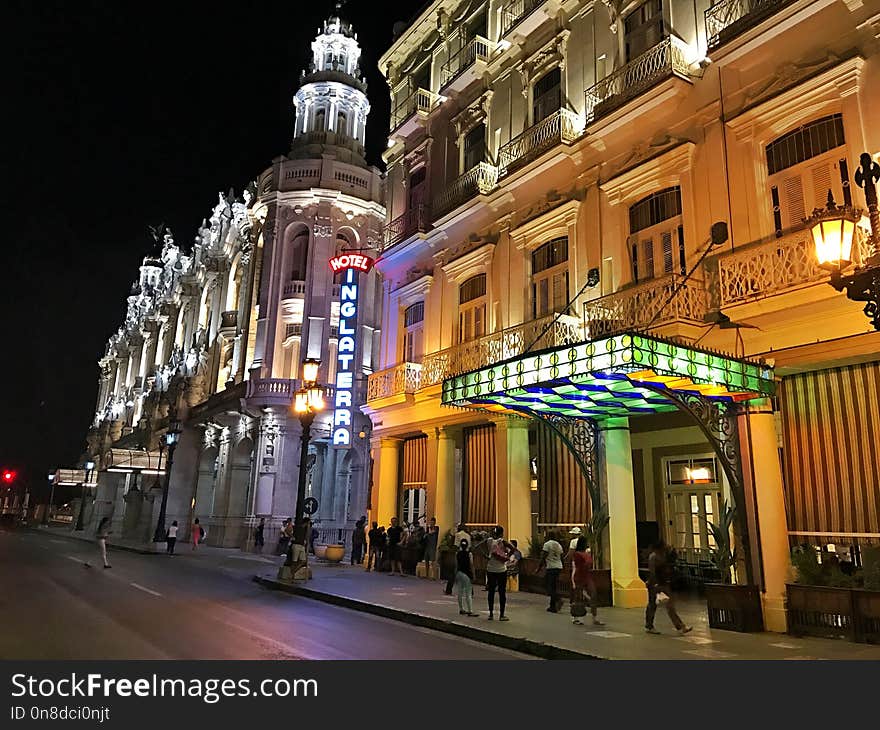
[693, 490]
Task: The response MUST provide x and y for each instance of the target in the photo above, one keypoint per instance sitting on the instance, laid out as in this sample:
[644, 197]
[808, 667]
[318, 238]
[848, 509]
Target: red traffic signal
[9, 476]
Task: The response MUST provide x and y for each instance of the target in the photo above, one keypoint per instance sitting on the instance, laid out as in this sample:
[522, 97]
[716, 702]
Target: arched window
[656, 240]
[802, 166]
[550, 277]
[472, 308]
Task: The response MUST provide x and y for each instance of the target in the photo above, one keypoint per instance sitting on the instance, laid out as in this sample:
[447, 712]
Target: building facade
[632, 176]
[215, 337]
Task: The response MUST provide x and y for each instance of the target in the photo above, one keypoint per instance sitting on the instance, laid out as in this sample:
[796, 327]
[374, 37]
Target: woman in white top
[171, 539]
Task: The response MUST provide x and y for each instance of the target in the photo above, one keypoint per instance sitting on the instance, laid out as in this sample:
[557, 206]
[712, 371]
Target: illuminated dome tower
[331, 102]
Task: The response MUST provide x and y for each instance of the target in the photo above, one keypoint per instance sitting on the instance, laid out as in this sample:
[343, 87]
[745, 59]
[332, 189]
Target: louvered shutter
[666, 240]
[793, 208]
[560, 291]
[632, 247]
[647, 261]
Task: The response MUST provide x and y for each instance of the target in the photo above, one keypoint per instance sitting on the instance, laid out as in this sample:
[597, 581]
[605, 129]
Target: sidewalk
[533, 630]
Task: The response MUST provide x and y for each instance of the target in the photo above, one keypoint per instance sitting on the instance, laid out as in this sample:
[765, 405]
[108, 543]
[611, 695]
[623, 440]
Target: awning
[131, 460]
[69, 477]
[623, 375]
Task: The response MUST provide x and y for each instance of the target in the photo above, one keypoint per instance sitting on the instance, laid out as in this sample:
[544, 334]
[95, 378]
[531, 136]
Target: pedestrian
[575, 533]
[496, 571]
[551, 560]
[661, 569]
[461, 534]
[395, 536]
[357, 541]
[384, 559]
[258, 535]
[171, 538]
[373, 555]
[464, 576]
[102, 533]
[583, 584]
[430, 541]
[195, 533]
[284, 537]
[313, 537]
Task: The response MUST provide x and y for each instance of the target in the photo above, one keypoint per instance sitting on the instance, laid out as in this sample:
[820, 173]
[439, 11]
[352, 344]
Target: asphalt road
[184, 607]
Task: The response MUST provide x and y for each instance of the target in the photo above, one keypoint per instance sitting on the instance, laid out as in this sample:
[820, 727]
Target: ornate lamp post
[307, 402]
[833, 228]
[172, 436]
[89, 467]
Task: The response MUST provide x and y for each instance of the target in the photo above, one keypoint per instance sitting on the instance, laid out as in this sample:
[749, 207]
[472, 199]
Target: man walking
[661, 569]
[394, 535]
[357, 542]
[374, 555]
[551, 558]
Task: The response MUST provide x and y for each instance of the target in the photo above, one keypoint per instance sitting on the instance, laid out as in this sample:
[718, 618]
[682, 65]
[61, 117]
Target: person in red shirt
[582, 584]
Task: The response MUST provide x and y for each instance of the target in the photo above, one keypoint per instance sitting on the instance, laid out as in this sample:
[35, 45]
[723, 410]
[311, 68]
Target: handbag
[578, 606]
[662, 598]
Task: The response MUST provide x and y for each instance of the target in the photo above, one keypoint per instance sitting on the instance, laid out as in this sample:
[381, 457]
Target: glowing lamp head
[301, 401]
[310, 370]
[9, 476]
[833, 228]
[315, 398]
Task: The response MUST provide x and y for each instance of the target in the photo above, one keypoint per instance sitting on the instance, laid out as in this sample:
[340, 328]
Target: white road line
[57, 542]
[75, 560]
[145, 590]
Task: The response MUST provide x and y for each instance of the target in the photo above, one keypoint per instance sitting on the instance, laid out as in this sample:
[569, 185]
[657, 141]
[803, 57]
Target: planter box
[834, 613]
[734, 607]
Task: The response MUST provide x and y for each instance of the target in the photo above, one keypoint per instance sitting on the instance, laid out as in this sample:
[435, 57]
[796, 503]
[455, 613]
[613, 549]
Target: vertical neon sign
[346, 362]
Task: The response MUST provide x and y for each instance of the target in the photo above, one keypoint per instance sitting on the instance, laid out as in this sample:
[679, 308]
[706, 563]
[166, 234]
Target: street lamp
[833, 227]
[51, 499]
[171, 438]
[89, 467]
[307, 402]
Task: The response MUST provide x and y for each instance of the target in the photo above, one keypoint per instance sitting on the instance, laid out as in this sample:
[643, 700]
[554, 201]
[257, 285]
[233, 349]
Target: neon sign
[346, 348]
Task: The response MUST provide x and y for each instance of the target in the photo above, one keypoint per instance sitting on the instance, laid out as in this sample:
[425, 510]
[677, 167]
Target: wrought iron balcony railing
[646, 305]
[729, 18]
[420, 101]
[515, 11]
[777, 266]
[402, 378]
[668, 58]
[476, 49]
[414, 220]
[479, 180]
[561, 127]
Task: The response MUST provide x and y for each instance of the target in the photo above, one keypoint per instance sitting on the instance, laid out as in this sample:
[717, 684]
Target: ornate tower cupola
[331, 102]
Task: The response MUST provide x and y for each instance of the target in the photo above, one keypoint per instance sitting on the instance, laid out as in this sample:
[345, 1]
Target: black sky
[120, 116]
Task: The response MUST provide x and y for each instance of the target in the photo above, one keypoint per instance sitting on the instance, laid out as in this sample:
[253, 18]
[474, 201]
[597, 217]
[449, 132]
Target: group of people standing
[386, 546]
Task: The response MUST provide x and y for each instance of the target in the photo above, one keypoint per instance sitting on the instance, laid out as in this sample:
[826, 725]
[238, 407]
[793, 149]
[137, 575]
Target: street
[189, 606]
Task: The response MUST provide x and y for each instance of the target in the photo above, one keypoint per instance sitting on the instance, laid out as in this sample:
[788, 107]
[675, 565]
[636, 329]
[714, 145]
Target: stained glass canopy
[624, 375]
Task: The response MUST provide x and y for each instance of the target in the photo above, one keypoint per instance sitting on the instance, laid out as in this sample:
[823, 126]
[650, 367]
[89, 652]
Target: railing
[561, 127]
[476, 49]
[729, 18]
[421, 101]
[478, 180]
[281, 387]
[294, 289]
[229, 320]
[500, 346]
[646, 305]
[667, 58]
[516, 10]
[415, 219]
[402, 378]
[774, 267]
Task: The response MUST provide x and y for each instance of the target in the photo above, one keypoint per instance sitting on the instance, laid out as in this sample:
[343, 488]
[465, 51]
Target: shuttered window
[413, 332]
[550, 277]
[479, 470]
[472, 308]
[563, 497]
[656, 240]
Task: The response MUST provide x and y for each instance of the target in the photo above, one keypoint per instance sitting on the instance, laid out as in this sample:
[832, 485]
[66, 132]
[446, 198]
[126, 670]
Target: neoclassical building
[599, 289]
[215, 336]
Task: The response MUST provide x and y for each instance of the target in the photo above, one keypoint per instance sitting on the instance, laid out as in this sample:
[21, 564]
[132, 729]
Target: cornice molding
[646, 177]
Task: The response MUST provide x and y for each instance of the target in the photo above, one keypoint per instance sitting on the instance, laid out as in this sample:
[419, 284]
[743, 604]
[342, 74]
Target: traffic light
[9, 476]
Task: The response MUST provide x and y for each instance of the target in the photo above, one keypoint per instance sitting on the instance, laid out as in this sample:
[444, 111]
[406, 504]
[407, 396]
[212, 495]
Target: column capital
[386, 442]
[620, 423]
[756, 407]
[511, 422]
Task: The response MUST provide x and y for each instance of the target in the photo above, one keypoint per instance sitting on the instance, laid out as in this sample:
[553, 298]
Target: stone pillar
[616, 454]
[444, 506]
[327, 497]
[387, 479]
[513, 497]
[764, 484]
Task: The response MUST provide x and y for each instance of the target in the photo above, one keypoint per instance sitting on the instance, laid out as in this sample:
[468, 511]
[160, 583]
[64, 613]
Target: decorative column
[763, 477]
[386, 469]
[513, 478]
[628, 589]
[441, 477]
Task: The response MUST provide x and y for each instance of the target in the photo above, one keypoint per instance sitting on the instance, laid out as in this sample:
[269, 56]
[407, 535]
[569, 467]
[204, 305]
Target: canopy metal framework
[575, 388]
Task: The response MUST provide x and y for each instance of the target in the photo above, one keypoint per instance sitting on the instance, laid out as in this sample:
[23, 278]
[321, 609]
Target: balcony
[229, 322]
[400, 379]
[520, 14]
[561, 127]
[646, 306]
[465, 65]
[419, 104]
[271, 391]
[727, 19]
[294, 290]
[416, 220]
[665, 60]
[778, 266]
[479, 180]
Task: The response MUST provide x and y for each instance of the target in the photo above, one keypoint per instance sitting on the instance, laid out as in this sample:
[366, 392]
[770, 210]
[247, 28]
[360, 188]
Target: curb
[110, 546]
[512, 643]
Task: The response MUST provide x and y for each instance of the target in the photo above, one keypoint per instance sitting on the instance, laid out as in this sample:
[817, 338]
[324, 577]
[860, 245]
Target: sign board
[310, 506]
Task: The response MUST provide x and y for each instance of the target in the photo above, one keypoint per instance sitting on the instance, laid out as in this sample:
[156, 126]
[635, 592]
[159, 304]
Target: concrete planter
[320, 551]
[333, 553]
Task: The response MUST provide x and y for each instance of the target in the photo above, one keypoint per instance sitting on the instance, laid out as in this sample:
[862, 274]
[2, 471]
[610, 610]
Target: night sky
[125, 116]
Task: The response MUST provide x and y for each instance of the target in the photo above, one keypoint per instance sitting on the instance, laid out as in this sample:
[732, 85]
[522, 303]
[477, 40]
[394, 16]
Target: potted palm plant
[731, 606]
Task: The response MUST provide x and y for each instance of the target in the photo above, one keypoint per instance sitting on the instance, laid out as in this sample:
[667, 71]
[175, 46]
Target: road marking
[449, 602]
[75, 560]
[145, 590]
[609, 634]
[57, 542]
[786, 645]
[710, 653]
